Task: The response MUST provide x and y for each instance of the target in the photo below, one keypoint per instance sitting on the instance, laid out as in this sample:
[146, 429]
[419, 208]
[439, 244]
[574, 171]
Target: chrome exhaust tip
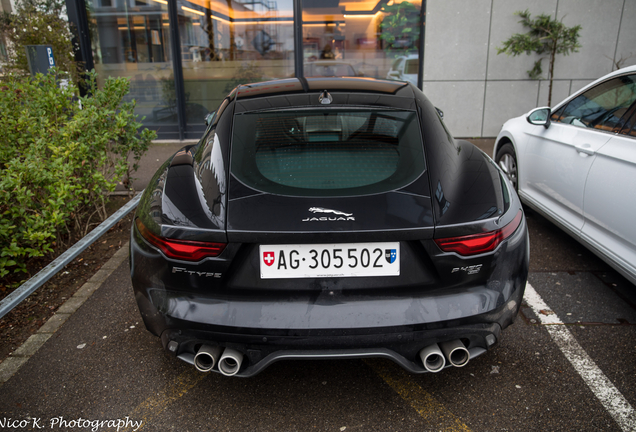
[207, 357]
[230, 362]
[455, 352]
[433, 358]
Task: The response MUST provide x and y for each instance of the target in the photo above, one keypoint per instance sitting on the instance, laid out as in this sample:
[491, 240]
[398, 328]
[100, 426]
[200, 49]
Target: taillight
[181, 249]
[479, 243]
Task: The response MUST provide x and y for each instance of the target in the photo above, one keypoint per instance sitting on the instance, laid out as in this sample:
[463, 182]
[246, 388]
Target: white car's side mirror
[209, 118]
[539, 117]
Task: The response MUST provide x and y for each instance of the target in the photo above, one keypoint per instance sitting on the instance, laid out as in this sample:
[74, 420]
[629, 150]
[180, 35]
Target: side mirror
[209, 118]
[440, 112]
[539, 117]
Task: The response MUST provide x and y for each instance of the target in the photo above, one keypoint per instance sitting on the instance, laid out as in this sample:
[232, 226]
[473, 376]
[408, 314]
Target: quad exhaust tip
[433, 358]
[455, 352]
[230, 362]
[207, 357]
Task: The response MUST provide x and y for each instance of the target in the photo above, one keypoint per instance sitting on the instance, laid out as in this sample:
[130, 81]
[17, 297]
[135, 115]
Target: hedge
[59, 154]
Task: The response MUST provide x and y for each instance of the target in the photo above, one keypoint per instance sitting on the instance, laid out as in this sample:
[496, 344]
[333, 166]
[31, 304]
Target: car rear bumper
[402, 347]
[284, 334]
[268, 326]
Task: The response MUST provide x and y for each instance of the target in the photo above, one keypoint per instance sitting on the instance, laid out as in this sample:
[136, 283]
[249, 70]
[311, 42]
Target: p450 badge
[471, 270]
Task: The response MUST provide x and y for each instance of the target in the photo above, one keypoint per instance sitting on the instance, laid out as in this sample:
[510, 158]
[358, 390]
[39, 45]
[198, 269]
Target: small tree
[400, 27]
[546, 36]
[38, 22]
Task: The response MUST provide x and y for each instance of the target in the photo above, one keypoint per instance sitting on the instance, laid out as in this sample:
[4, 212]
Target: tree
[400, 27]
[38, 22]
[546, 36]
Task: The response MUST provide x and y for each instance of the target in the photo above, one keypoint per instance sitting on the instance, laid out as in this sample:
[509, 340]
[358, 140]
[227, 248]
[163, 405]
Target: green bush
[58, 155]
[399, 30]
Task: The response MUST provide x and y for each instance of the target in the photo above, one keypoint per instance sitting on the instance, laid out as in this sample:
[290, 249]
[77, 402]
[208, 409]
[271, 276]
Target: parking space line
[436, 414]
[158, 403]
[612, 399]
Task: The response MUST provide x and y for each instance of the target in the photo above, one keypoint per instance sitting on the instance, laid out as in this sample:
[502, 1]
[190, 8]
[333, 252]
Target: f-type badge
[337, 215]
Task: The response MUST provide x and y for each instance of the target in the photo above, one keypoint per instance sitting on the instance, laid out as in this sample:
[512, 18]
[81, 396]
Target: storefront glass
[361, 38]
[229, 42]
[131, 38]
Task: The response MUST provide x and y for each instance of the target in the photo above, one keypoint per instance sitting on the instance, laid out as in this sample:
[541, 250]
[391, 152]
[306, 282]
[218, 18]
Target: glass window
[327, 152]
[328, 68]
[412, 67]
[132, 39]
[225, 43]
[376, 39]
[556, 115]
[603, 106]
[629, 128]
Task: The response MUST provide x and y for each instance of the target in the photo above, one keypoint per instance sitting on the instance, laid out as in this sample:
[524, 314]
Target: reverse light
[180, 249]
[479, 243]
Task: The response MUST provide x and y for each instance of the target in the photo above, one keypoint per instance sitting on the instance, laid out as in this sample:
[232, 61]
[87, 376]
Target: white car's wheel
[507, 161]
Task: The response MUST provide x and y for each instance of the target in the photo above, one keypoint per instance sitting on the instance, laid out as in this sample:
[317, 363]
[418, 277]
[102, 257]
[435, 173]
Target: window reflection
[630, 125]
[229, 42]
[226, 42]
[131, 38]
[602, 107]
[377, 39]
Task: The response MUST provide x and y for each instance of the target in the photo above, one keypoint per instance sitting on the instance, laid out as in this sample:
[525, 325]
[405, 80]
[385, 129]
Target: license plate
[330, 260]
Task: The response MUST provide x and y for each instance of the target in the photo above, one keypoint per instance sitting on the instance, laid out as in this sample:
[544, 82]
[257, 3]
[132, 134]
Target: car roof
[619, 72]
[289, 86]
[305, 92]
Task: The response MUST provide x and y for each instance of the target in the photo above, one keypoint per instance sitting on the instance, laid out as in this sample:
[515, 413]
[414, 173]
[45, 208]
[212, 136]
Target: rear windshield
[327, 152]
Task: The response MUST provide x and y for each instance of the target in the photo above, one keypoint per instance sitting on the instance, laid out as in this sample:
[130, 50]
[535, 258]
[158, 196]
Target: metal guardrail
[27, 288]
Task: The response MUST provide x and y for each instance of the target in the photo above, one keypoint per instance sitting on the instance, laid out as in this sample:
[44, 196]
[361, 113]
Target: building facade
[479, 90]
[183, 56]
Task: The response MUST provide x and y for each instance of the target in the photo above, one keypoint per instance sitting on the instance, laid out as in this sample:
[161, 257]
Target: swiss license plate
[330, 260]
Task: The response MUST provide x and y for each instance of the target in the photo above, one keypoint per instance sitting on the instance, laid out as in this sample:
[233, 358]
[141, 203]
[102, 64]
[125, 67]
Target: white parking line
[613, 401]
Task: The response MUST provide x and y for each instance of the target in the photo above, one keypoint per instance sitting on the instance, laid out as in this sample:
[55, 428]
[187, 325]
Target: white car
[576, 165]
[405, 68]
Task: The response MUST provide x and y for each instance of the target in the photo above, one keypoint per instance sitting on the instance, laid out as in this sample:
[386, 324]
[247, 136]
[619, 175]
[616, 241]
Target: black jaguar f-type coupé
[327, 218]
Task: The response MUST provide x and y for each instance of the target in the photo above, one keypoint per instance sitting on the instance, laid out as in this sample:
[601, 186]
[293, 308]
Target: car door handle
[585, 149]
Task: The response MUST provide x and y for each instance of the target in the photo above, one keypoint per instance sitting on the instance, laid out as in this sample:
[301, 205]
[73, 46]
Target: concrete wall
[478, 90]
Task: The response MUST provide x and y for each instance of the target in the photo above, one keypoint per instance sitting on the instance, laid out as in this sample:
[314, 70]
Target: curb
[20, 356]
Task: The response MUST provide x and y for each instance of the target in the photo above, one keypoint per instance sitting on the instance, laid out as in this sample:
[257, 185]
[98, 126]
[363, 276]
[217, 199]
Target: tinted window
[328, 152]
[397, 64]
[603, 106]
[555, 116]
[328, 69]
[630, 125]
[412, 67]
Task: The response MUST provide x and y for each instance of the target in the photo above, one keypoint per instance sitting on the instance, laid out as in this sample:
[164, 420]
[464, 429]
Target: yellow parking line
[156, 404]
[426, 406]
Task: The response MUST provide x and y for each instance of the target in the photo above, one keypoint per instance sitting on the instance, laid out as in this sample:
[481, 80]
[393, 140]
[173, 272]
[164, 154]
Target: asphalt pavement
[97, 368]
[158, 152]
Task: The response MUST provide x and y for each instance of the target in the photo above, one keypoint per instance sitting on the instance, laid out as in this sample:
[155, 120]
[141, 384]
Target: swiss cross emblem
[268, 258]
